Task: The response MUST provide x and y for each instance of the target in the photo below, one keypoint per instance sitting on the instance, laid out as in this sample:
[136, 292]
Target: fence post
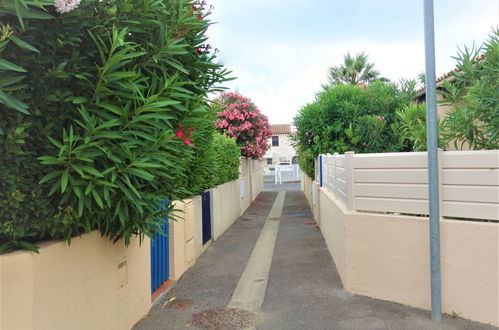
[440, 181]
[349, 159]
[320, 170]
[335, 175]
[326, 169]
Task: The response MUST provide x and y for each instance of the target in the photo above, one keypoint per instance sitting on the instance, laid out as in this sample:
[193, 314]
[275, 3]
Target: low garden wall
[91, 284]
[382, 254]
[387, 257]
[225, 206]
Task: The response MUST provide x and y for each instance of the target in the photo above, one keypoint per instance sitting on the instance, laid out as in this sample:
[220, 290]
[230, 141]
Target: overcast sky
[281, 50]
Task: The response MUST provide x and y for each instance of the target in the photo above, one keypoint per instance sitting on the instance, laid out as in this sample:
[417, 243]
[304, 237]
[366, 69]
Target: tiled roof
[446, 76]
[281, 129]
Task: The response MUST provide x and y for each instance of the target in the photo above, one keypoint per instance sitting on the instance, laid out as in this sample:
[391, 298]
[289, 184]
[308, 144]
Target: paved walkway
[287, 258]
[269, 185]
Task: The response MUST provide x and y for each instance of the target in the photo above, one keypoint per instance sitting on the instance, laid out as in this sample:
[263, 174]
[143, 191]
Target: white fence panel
[470, 184]
[335, 179]
[331, 173]
[398, 182]
[391, 182]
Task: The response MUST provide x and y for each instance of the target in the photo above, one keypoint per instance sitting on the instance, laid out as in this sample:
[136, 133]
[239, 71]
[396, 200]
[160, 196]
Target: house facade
[281, 149]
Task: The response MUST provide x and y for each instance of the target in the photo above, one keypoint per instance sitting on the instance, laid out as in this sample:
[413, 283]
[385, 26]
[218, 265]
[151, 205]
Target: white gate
[287, 173]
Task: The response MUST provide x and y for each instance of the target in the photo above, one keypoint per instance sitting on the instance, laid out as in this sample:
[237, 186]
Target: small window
[269, 161]
[275, 141]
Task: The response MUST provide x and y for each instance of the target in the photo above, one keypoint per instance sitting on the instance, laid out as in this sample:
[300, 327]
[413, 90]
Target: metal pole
[432, 146]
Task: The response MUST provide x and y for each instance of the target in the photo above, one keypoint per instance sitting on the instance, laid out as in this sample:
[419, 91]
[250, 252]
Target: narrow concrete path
[302, 287]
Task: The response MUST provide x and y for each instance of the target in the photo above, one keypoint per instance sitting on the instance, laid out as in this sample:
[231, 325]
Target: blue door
[159, 257]
[206, 216]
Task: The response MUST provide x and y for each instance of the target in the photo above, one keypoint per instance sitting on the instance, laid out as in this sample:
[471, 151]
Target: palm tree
[354, 71]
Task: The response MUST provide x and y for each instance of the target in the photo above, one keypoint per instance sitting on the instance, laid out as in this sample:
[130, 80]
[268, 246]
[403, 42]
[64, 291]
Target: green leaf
[106, 183]
[80, 206]
[91, 170]
[141, 173]
[29, 246]
[97, 198]
[80, 100]
[64, 180]
[14, 103]
[7, 65]
[23, 44]
[49, 177]
[49, 160]
[111, 107]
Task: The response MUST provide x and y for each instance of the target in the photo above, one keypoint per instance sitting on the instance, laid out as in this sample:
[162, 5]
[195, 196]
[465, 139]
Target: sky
[280, 51]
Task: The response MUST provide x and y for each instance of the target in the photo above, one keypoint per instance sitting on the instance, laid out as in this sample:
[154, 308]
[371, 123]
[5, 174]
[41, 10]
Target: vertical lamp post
[432, 147]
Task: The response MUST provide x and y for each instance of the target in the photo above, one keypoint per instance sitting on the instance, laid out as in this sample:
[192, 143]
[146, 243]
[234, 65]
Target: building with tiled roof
[421, 92]
[281, 149]
[442, 108]
[281, 129]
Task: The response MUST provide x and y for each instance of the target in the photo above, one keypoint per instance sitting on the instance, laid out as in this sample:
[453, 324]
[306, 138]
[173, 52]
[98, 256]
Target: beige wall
[182, 245]
[250, 181]
[92, 284]
[307, 187]
[226, 208]
[256, 179]
[284, 152]
[387, 257]
[333, 230]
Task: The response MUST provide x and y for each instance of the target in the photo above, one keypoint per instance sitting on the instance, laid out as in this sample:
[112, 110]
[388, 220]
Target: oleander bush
[412, 119]
[352, 118]
[238, 117]
[103, 115]
[473, 96]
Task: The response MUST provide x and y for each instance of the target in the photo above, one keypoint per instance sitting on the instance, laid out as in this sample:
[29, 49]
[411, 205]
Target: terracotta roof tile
[281, 129]
[421, 91]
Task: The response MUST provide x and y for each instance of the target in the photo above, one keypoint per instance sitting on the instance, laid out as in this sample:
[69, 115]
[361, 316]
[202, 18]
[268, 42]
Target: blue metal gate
[159, 257]
[206, 215]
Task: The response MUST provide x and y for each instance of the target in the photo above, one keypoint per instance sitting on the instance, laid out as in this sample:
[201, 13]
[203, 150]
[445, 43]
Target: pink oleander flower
[241, 119]
[188, 142]
[183, 134]
[65, 6]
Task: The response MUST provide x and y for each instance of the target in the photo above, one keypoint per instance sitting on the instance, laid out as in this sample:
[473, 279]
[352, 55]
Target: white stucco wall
[281, 153]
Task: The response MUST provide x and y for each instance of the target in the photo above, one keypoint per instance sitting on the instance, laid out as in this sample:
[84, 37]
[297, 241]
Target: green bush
[226, 164]
[352, 118]
[413, 126]
[91, 103]
[306, 160]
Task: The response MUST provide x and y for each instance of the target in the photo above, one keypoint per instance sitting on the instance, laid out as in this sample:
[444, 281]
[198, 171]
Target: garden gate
[159, 257]
[206, 215]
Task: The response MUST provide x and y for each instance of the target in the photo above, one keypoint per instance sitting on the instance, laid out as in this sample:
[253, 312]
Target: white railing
[398, 182]
[286, 173]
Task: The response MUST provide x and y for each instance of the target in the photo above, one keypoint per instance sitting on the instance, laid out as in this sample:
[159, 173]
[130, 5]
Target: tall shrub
[90, 115]
[352, 118]
[238, 117]
[226, 164]
[473, 96]
[412, 119]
